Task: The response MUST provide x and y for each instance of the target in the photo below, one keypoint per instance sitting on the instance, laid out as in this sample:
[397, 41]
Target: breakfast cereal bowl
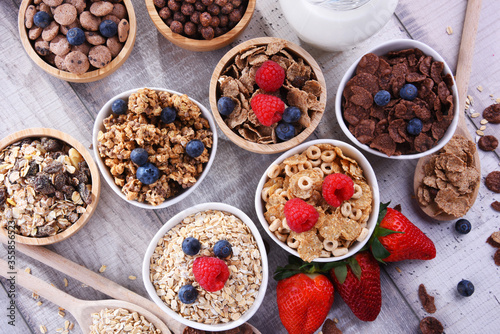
[166, 267]
[194, 44]
[49, 186]
[51, 52]
[384, 131]
[303, 87]
[177, 174]
[299, 173]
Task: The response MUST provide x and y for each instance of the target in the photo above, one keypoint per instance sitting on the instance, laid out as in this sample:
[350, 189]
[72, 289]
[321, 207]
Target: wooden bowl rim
[266, 148]
[94, 173]
[87, 76]
[199, 44]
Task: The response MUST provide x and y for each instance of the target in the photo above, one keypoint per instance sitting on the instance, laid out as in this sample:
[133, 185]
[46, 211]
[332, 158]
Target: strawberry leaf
[356, 269]
[379, 251]
[341, 273]
[382, 211]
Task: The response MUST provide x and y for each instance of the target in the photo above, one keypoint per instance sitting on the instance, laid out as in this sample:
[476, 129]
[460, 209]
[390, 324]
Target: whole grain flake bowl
[234, 76]
[383, 130]
[179, 175]
[52, 64]
[166, 267]
[51, 196]
[299, 173]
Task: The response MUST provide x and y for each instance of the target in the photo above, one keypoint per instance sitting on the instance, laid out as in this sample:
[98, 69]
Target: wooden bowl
[214, 93]
[88, 76]
[199, 44]
[94, 172]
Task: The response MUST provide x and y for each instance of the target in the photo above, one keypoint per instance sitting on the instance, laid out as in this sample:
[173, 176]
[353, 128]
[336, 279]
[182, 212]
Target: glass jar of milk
[336, 25]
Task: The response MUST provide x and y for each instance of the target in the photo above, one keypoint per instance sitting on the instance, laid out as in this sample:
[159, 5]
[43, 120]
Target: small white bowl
[98, 125]
[368, 172]
[176, 220]
[382, 49]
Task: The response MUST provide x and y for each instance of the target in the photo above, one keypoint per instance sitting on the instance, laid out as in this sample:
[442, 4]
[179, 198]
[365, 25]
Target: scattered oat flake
[34, 295]
[482, 128]
[103, 268]
[27, 270]
[66, 324]
[480, 88]
[43, 329]
[61, 313]
[132, 277]
[480, 133]
[398, 270]
[474, 115]
[483, 121]
[471, 99]
[335, 320]
[59, 330]
[71, 325]
[39, 303]
[65, 282]
[497, 100]
[449, 30]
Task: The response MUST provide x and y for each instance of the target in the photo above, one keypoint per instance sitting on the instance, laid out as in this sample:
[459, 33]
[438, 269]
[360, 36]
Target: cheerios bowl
[166, 268]
[299, 173]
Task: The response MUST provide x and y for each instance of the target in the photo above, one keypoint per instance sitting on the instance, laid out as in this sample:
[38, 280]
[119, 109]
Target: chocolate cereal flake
[430, 325]
[493, 181]
[496, 205]
[426, 299]
[329, 327]
[492, 113]
[494, 240]
[488, 143]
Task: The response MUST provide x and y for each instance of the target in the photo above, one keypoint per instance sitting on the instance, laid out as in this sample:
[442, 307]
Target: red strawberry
[411, 244]
[363, 294]
[304, 301]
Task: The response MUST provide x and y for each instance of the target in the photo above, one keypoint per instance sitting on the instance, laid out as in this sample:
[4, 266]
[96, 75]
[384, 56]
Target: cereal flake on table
[141, 127]
[171, 268]
[301, 176]
[45, 186]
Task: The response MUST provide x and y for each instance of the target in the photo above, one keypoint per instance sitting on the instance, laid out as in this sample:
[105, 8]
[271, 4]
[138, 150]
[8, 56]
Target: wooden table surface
[118, 233]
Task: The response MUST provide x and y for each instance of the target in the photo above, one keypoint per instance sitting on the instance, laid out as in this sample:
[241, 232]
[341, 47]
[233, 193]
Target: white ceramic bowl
[98, 125]
[382, 49]
[176, 220]
[368, 172]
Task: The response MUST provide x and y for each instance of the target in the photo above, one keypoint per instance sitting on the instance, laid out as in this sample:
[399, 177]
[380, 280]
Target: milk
[336, 25]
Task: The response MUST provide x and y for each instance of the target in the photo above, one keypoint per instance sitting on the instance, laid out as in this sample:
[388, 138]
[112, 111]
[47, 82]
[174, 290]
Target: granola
[170, 268]
[45, 186]
[121, 320]
[141, 127]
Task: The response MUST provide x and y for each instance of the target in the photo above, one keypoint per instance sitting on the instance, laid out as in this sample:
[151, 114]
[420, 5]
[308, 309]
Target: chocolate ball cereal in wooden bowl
[78, 40]
[154, 146]
[267, 95]
[226, 240]
[398, 101]
[335, 185]
[203, 25]
[49, 186]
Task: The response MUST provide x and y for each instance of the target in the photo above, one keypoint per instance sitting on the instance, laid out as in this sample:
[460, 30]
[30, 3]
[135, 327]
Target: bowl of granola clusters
[77, 40]
[267, 95]
[335, 187]
[49, 186]
[154, 146]
[204, 25]
[398, 101]
[207, 267]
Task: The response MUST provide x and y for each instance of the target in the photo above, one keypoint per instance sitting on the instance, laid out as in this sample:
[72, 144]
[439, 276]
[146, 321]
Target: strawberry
[358, 283]
[396, 239]
[304, 299]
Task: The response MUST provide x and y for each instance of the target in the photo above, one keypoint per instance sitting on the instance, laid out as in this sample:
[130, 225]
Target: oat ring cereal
[274, 171]
[337, 228]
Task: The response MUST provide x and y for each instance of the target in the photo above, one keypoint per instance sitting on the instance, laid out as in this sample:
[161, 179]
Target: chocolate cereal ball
[224, 20]
[187, 9]
[207, 2]
[178, 16]
[213, 9]
[174, 5]
[195, 18]
[177, 27]
[226, 9]
[190, 28]
[236, 3]
[165, 13]
[205, 19]
[235, 15]
[160, 3]
[207, 33]
[215, 21]
[190, 1]
[199, 6]
[221, 2]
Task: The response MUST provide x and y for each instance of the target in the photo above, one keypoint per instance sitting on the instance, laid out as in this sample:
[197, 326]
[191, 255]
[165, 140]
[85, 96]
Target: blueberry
[414, 126]
[191, 246]
[463, 226]
[195, 148]
[108, 28]
[75, 36]
[382, 98]
[119, 106]
[188, 294]
[168, 115]
[225, 105]
[42, 19]
[147, 173]
[285, 131]
[222, 249]
[465, 288]
[139, 156]
[291, 115]
[408, 92]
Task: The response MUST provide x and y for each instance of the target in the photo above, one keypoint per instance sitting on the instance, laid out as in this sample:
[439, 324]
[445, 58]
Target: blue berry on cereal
[108, 28]
[195, 148]
[147, 173]
[119, 107]
[42, 19]
[75, 36]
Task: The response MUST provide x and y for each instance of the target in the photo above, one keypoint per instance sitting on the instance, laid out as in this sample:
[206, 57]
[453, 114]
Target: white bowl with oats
[116, 136]
[299, 173]
[166, 268]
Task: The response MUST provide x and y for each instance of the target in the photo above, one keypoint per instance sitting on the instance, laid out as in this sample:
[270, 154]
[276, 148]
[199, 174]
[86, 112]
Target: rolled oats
[170, 268]
[121, 321]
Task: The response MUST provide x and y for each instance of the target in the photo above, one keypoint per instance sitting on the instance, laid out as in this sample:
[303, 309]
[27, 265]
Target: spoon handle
[38, 286]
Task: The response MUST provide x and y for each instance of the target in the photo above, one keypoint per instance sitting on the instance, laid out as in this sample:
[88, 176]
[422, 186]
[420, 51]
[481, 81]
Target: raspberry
[270, 76]
[300, 216]
[337, 188]
[210, 272]
[267, 108]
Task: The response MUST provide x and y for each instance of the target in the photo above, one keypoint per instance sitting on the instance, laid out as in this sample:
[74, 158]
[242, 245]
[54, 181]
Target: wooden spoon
[464, 65]
[80, 309]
